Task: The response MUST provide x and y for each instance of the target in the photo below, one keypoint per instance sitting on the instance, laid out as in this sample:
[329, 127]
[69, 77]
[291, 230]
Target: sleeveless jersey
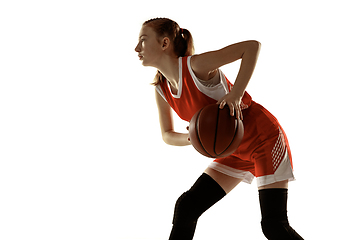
[192, 95]
[264, 151]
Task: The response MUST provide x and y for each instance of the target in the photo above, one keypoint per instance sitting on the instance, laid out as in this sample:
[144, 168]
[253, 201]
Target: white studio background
[81, 156]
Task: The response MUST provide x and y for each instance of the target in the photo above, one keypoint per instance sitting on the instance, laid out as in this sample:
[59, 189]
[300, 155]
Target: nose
[137, 49]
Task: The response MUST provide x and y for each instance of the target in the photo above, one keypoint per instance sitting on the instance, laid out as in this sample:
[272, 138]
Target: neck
[170, 70]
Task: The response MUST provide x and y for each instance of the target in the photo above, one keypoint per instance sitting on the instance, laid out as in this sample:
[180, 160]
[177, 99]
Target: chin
[146, 64]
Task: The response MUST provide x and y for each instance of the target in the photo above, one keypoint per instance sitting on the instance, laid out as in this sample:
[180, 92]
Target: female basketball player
[186, 83]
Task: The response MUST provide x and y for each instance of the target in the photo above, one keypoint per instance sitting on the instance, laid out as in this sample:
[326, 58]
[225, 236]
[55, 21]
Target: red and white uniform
[264, 151]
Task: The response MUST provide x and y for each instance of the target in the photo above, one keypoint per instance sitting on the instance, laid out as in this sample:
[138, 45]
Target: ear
[165, 43]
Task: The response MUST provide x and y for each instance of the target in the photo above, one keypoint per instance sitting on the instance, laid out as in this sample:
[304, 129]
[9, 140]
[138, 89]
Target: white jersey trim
[159, 90]
[180, 85]
[283, 172]
[246, 176]
[215, 92]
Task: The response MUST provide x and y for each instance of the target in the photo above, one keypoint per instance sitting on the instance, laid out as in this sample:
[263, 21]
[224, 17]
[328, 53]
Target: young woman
[185, 83]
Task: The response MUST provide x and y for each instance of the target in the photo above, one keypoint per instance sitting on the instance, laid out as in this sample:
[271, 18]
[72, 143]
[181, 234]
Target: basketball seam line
[235, 133]
[216, 128]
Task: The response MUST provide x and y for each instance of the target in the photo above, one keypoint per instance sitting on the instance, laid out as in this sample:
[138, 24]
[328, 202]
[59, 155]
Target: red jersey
[192, 94]
[264, 151]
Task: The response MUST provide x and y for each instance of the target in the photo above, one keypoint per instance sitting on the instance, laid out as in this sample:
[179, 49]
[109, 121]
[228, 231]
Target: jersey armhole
[215, 92]
[159, 90]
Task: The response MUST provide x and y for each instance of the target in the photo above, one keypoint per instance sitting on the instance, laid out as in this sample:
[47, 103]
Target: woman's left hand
[234, 104]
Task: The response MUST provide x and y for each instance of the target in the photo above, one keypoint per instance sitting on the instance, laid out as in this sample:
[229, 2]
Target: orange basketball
[214, 132]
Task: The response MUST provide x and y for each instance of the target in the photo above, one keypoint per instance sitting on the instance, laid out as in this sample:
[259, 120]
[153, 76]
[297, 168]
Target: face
[148, 48]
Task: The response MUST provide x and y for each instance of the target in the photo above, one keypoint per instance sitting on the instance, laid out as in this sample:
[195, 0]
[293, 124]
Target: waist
[258, 120]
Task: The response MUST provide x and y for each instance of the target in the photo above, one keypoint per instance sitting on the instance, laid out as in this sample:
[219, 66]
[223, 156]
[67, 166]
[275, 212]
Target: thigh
[226, 182]
[282, 184]
[273, 164]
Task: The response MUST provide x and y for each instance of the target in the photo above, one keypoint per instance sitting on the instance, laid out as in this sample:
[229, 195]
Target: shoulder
[203, 64]
[197, 65]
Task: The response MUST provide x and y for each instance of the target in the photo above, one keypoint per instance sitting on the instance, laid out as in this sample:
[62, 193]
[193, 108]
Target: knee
[274, 229]
[185, 211]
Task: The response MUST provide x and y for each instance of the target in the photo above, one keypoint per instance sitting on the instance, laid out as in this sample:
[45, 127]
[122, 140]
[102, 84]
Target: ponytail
[183, 43]
[181, 38]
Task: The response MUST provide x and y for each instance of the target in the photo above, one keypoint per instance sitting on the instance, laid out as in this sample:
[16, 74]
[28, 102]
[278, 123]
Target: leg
[226, 182]
[283, 184]
[273, 202]
[193, 203]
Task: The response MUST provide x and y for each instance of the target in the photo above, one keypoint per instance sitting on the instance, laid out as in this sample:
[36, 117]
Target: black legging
[206, 192]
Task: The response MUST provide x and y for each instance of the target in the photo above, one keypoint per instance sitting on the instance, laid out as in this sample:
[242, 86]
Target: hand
[187, 128]
[234, 104]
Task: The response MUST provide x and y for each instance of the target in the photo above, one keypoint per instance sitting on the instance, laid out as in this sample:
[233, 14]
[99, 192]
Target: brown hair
[181, 38]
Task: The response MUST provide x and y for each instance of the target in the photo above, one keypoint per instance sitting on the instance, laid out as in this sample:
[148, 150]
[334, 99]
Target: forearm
[176, 139]
[247, 67]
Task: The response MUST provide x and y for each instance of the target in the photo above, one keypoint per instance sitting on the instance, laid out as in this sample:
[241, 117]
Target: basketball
[214, 132]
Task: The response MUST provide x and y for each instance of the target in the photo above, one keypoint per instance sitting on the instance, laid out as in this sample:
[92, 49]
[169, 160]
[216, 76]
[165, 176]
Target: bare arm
[206, 63]
[169, 136]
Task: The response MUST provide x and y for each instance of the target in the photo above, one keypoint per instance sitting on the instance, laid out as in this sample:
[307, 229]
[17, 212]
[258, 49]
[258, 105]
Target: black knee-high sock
[275, 224]
[191, 204]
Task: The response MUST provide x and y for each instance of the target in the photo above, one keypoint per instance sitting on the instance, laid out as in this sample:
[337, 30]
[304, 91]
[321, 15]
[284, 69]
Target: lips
[140, 57]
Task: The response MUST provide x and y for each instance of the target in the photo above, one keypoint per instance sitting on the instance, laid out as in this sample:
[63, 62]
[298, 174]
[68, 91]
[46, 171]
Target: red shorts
[264, 152]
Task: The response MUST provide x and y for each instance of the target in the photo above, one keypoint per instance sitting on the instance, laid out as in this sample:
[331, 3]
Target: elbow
[255, 45]
[253, 48]
[166, 138]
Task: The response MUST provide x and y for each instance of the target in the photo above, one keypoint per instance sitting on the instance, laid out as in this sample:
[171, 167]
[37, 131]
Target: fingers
[218, 102]
[231, 109]
[238, 112]
[222, 104]
[188, 138]
[235, 109]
